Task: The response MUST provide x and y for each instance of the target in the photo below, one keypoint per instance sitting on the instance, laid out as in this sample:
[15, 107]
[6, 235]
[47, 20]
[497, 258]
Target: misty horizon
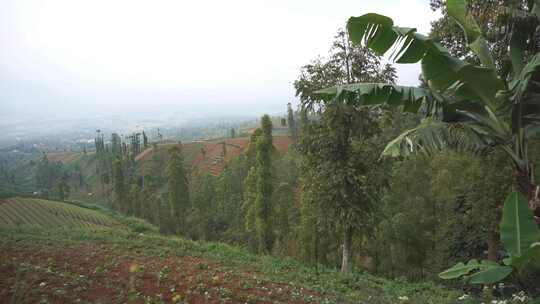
[75, 59]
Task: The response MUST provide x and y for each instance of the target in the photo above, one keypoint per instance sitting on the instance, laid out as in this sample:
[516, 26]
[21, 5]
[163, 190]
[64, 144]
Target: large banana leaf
[439, 68]
[462, 125]
[457, 9]
[433, 135]
[536, 8]
[490, 275]
[479, 117]
[529, 76]
[518, 227]
[487, 272]
[520, 35]
[411, 98]
[461, 269]
[529, 257]
[525, 90]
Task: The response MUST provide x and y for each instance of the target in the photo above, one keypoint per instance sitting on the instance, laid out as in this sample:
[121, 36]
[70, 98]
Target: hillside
[120, 265]
[205, 155]
[210, 155]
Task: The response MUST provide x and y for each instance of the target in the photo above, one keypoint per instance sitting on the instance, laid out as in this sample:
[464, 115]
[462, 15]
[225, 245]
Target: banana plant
[521, 239]
[465, 105]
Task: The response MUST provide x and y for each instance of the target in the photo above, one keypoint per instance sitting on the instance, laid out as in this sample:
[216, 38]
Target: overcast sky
[223, 57]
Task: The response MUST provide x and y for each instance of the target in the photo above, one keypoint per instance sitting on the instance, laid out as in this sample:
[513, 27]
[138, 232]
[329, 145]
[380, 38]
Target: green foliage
[229, 209]
[51, 179]
[135, 198]
[339, 151]
[464, 95]
[485, 272]
[455, 208]
[204, 206]
[119, 187]
[250, 185]
[519, 234]
[518, 228]
[179, 199]
[264, 187]
[291, 123]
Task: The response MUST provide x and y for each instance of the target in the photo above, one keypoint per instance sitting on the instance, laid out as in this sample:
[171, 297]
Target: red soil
[212, 159]
[99, 274]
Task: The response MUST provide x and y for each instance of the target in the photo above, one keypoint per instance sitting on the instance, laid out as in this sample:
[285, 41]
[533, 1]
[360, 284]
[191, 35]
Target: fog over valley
[162, 63]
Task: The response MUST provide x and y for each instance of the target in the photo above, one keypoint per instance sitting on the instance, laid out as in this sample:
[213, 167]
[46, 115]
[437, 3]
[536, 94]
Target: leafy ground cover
[81, 265]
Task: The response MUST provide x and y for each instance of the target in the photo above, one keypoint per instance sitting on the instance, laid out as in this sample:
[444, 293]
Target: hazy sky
[224, 57]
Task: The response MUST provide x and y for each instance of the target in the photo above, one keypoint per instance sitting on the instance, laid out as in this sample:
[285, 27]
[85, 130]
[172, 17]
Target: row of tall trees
[158, 193]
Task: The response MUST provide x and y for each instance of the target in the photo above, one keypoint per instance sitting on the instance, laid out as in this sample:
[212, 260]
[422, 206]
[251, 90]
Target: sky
[238, 57]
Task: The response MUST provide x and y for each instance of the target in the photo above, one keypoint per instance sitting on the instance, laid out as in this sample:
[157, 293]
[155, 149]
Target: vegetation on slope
[20, 211]
[125, 266]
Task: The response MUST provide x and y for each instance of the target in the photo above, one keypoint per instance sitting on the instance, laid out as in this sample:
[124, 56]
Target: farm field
[16, 212]
[44, 264]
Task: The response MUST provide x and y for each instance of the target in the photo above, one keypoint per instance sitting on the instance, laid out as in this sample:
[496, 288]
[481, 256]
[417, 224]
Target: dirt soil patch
[93, 273]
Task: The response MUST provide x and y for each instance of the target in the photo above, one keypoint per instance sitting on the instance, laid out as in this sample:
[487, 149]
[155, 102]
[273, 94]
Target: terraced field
[44, 213]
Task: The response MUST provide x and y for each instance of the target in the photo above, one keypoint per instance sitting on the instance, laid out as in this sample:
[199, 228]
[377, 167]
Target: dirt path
[99, 274]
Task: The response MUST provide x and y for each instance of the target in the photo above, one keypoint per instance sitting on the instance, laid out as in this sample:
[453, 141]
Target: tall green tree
[116, 145]
[135, 200]
[264, 183]
[204, 203]
[291, 123]
[119, 186]
[150, 200]
[64, 189]
[249, 206]
[230, 216]
[327, 144]
[145, 140]
[285, 198]
[179, 199]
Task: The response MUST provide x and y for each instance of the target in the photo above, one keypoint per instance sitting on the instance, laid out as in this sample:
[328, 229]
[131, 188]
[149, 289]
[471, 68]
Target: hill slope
[19, 211]
[43, 264]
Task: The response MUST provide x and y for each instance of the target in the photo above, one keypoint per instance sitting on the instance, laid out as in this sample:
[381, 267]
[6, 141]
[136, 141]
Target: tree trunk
[493, 245]
[524, 183]
[347, 252]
